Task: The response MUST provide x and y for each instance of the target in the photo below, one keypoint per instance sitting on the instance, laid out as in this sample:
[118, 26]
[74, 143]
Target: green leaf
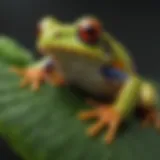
[43, 126]
[13, 53]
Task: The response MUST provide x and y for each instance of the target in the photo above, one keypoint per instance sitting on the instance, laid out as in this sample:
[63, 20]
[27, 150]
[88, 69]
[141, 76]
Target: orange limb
[35, 77]
[31, 76]
[106, 116]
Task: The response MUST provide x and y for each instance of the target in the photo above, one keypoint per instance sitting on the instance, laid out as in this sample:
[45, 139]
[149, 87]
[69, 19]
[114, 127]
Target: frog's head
[83, 38]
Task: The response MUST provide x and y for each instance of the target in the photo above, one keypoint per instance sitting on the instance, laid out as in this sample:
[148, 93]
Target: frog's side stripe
[113, 73]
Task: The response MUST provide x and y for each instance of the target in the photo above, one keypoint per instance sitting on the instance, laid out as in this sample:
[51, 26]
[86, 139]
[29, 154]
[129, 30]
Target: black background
[136, 25]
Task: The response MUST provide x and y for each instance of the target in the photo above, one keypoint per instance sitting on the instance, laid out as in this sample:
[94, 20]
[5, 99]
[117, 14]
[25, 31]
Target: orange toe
[30, 76]
[106, 117]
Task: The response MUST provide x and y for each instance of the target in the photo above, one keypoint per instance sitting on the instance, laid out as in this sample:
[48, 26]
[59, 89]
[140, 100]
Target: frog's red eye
[89, 30]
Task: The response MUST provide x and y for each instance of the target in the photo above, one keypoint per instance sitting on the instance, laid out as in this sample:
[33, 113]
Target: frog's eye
[89, 30]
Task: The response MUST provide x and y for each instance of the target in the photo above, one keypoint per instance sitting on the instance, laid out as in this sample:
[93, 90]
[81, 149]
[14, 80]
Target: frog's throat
[95, 55]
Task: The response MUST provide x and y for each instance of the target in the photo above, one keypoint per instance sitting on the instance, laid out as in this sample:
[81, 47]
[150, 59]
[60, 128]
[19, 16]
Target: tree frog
[84, 54]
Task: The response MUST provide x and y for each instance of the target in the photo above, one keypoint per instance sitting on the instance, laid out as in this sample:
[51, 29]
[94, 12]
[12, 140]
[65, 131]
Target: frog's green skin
[79, 63]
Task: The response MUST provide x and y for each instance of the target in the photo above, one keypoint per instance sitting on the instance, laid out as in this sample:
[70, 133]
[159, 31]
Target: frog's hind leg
[148, 102]
[112, 115]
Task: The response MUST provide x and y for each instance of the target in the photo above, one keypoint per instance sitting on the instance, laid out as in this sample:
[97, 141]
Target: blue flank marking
[112, 73]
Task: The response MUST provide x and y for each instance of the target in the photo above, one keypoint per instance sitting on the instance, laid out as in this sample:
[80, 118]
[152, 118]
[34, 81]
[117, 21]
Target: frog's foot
[30, 76]
[35, 77]
[106, 116]
[151, 117]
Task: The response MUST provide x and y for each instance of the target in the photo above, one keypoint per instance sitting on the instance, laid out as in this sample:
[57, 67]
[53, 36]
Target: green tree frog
[84, 54]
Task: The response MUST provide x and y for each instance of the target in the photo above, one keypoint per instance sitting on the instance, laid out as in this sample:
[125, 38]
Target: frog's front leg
[147, 107]
[113, 115]
[43, 71]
